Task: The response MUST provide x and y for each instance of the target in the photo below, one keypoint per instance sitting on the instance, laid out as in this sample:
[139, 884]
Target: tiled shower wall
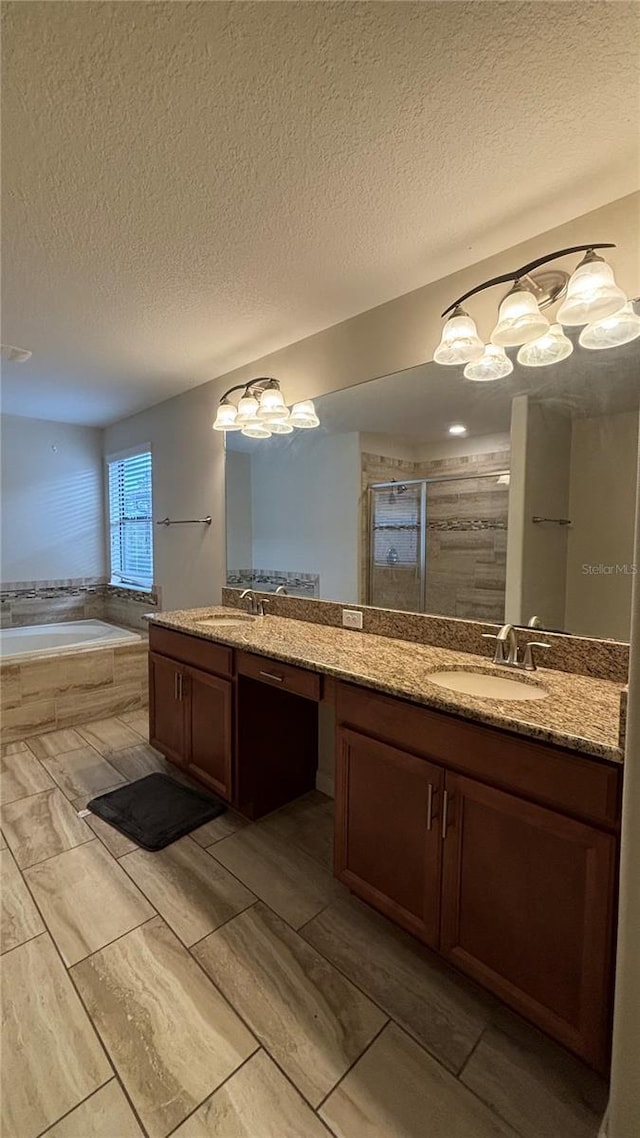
[86, 598]
[466, 537]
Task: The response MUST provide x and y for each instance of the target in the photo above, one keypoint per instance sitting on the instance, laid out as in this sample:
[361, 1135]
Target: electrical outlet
[351, 619]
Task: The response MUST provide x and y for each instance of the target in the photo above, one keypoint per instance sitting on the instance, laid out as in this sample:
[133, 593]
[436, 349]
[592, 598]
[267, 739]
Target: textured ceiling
[188, 186]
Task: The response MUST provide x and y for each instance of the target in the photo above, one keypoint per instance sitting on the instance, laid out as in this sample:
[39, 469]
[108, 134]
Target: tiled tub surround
[579, 713]
[83, 598]
[54, 692]
[601, 659]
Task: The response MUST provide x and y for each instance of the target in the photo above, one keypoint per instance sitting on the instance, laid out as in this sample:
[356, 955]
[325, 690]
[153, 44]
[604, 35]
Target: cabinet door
[167, 718]
[388, 842]
[209, 720]
[527, 910]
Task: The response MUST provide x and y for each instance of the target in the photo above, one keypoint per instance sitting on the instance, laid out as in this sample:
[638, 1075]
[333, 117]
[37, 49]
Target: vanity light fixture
[261, 411]
[457, 429]
[590, 296]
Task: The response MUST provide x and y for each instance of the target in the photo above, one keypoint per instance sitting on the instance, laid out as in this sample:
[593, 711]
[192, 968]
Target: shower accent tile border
[601, 659]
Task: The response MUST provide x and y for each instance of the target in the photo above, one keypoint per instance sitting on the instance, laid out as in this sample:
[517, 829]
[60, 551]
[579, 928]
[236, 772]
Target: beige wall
[188, 456]
[604, 454]
[546, 494]
[52, 501]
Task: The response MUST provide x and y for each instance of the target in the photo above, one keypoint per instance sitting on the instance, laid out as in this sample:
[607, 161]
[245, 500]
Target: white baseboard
[325, 783]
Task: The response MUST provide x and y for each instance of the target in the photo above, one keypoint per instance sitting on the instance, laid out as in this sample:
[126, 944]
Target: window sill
[147, 590]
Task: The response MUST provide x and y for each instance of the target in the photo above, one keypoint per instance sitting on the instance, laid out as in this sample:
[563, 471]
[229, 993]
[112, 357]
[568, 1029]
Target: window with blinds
[130, 521]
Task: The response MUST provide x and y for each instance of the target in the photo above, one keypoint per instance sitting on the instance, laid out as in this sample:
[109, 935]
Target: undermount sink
[221, 619]
[487, 686]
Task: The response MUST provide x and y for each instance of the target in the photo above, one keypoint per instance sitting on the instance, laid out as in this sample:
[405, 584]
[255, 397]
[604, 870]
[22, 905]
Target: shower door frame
[422, 555]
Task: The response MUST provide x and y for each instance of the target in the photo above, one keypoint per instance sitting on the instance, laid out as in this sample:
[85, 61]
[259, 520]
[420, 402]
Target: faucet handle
[528, 662]
[489, 636]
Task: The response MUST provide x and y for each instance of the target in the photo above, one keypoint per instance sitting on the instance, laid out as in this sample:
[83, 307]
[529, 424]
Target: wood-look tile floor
[229, 987]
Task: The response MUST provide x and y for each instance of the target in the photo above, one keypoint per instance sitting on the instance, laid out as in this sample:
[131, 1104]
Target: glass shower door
[397, 549]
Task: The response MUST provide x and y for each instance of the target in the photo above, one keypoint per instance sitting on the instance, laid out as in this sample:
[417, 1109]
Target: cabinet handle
[430, 806]
[445, 812]
[175, 685]
[272, 676]
[180, 681]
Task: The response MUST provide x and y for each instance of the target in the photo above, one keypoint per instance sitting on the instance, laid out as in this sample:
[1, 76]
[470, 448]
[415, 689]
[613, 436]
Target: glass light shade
[592, 294]
[282, 427]
[272, 406]
[621, 328]
[548, 349]
[257, 430]
[304, 415]
[519, 320]
[247, 410]
[494, 363]
[460, 341]
[225, 419]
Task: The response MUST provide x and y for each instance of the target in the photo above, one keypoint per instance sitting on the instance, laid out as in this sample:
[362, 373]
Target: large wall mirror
[527, 514]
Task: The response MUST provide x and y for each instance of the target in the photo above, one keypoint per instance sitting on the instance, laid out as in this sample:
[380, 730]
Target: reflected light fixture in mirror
[612, 331]
[548, 349]
[590, 296]
[457, 429]
[303, 415]
[494, 363]
[262, 412]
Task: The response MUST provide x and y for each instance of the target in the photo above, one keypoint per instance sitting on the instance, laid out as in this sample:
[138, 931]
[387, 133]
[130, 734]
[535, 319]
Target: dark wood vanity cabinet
[527, 910]
[190, 708]
[518, 894]
[387, 840]
[167, 720]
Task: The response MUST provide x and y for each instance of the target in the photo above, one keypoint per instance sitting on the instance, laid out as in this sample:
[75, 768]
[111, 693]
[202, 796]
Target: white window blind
[130, 521]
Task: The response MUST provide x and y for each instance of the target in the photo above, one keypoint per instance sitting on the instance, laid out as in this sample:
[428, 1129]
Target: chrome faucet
[281, 591]
[255, 605]
[507, 638]
[251, 599]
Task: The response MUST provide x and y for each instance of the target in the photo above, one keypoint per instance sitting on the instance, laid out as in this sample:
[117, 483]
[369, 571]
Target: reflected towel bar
[185, 521]
[555, 521]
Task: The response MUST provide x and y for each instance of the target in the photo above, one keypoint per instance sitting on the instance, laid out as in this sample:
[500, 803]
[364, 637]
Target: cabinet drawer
[296, 680]
[205, 654]
[569, 782]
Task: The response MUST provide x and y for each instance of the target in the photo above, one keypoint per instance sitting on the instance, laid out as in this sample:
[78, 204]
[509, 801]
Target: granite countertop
[579, 713]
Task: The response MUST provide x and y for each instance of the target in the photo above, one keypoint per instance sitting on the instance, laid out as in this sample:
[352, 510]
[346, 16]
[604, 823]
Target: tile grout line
[195, 1110]
[87, 1013]
[352, 1065]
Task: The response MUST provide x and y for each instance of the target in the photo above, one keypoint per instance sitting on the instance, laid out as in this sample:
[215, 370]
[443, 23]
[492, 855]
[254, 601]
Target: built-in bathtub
[54, 676]
[67, 636]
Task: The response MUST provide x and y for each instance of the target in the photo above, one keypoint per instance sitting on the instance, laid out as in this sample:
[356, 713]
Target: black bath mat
[155, 811]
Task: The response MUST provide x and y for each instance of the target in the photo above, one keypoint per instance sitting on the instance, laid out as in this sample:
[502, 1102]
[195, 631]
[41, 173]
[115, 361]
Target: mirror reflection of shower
[440, 545]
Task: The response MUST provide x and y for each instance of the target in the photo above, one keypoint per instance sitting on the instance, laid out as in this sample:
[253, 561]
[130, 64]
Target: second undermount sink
[221, 619]
[486, 685]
